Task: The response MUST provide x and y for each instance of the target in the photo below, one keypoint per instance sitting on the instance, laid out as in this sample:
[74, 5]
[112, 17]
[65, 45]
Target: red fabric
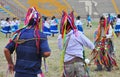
[67, 20]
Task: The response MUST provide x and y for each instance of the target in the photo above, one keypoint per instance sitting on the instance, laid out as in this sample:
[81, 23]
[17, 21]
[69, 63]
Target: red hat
[67, 22]
[32, 13]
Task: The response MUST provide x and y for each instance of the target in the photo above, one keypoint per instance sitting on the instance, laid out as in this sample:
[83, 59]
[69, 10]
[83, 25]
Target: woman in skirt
[46, 27]
[53, 26]
[117, 27]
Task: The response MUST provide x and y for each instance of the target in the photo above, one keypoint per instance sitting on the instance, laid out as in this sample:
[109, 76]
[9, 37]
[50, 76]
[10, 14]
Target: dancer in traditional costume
[18, 22]
[71, 41]
[104, 46]
[2, 23]
[117, 26]
[53, 26]
[14, 27]
[46, 27]
[7, 27]
[30, 46]
[79, 24]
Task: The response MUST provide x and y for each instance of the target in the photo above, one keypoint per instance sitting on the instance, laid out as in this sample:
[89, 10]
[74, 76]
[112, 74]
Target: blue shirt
[28, 60]
[89, 18]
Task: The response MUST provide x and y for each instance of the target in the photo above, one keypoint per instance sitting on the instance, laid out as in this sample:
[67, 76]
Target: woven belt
[74, 60]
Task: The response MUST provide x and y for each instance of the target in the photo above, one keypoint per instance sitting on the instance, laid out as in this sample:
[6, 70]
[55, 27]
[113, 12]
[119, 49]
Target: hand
[89, 64]
[11, 68]
[94, 50]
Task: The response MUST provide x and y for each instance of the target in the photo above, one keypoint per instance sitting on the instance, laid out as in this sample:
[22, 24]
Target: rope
[20, 41]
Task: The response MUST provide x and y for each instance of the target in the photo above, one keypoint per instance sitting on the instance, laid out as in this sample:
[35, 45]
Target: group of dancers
[51, 26]
[8, 26]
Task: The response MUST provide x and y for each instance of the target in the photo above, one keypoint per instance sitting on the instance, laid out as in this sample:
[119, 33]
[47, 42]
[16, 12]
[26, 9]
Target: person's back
[30, 45]
[73, 42]
[27, 57]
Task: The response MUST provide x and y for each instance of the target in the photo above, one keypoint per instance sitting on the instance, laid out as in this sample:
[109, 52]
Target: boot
[99, 68]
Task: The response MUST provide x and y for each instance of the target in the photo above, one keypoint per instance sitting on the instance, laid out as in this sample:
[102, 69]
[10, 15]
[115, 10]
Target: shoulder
[59, 37]
[79, 33]
[42, 35]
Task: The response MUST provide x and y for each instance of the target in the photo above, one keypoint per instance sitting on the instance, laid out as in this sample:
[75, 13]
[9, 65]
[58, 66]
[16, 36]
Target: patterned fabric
[75, 70]
[104, 47]
[103, 54]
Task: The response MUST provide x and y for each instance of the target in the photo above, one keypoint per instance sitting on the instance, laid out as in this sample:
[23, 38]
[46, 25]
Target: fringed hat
[32, 13]
[104, 20]
[67, 23]
[33, 19]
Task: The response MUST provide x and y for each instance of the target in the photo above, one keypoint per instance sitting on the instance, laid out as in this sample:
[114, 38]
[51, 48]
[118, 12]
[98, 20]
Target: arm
[46, 54]
[44, 47]
[9, 60]
[85, 41]
[8, 50]
[60, 45]
[109, 35]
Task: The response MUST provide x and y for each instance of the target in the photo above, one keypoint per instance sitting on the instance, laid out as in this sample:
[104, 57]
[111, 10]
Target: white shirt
[118, 21]
[2, 23]
[75, 45]
[17, 22]
[78, 22]
[13, 23]
[46, 24]
[53, 22]
[7, 23]
[109, 35]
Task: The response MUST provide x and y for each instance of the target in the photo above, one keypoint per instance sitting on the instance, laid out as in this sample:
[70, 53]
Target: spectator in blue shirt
[89, 24]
